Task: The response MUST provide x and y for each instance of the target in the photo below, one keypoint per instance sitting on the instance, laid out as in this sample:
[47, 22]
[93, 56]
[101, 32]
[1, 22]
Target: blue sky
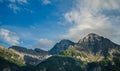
[42, 23]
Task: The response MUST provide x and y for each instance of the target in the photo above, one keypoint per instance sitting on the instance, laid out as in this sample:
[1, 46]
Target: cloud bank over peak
[87, 16]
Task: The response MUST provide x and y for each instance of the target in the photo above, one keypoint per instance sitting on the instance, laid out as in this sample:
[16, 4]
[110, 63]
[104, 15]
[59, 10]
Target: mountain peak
[95, 43]
[65, 41]
[92, 37]
[61, 46]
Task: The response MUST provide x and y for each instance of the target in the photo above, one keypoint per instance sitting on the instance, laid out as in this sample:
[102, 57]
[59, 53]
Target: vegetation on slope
[60, 63]
[11, 56]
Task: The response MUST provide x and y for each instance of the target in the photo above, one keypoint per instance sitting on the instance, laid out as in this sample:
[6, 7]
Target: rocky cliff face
[61, 46]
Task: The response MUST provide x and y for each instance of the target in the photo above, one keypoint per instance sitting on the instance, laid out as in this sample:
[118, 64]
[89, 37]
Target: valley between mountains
[91, 53]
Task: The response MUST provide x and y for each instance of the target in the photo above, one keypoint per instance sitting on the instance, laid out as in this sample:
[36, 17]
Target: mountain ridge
[31, 57]
[91, 53]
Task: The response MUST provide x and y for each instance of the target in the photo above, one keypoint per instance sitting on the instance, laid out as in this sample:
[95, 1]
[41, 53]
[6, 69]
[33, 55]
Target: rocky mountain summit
[61, 46]
[95, 43]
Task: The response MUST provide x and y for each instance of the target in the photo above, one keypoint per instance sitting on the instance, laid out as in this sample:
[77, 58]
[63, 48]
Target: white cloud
[44, 43]
[14, 7]
[9, 37]
[87, 17]
[46, 2]
[97, 5]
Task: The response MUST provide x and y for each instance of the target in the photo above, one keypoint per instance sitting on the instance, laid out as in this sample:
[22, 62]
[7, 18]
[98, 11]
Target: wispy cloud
[14, 7]
[9, 37]
[19, 5]
[45, 2]
[22, 1]
[44, 43]
[87, 16]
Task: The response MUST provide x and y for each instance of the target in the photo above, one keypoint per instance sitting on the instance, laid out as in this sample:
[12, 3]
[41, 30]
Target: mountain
[61, 46]
[36, 51]
[91, 53]
[93, 48]
[40, 51]
[95, 43]
[18, 58]
[30, 56]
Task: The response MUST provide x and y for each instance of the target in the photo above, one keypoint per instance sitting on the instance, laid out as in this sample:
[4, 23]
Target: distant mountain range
[30, 56]
[91, 53]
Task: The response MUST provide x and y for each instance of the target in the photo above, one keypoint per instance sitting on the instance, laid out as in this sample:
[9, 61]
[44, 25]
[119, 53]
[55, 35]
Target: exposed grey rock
[61, 46]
